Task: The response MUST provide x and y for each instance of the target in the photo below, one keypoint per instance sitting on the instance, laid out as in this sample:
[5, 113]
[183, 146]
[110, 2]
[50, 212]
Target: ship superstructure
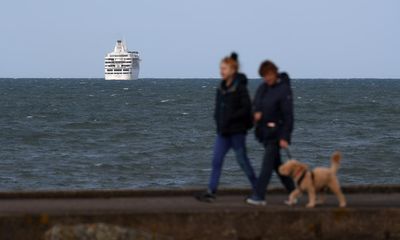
[122, 64]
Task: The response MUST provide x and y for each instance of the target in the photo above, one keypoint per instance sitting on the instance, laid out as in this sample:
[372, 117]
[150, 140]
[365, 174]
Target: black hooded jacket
[233, 110]
[276, 105]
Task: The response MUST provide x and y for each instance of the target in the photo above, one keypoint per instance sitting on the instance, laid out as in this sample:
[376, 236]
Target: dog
[313, 181]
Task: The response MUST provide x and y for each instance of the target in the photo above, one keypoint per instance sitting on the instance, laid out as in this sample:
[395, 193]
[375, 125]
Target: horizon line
[202, 78]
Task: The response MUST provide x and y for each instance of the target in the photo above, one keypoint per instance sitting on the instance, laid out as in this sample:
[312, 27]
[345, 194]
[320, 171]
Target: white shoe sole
[256, 202]
[289, 203]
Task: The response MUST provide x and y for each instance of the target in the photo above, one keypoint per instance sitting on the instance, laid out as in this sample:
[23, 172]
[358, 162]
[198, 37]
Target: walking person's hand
[257, 116]
[283, 143]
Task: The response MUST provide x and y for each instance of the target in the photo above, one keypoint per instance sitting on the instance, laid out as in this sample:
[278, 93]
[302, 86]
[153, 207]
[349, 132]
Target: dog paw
[310, 205]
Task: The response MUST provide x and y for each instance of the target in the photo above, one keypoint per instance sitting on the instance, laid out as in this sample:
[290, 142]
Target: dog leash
[289, 155]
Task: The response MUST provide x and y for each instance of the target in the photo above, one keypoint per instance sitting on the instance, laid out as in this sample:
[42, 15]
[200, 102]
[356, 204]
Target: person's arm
[216, 105]
[257, 99]
[257, 106]
[286, 105]
[245, 104]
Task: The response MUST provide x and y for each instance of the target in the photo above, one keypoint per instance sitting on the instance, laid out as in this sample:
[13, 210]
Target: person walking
[273, 116]
[233, 118]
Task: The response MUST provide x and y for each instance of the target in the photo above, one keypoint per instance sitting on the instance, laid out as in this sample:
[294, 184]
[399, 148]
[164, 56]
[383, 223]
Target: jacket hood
[241, 78]
[284, 77]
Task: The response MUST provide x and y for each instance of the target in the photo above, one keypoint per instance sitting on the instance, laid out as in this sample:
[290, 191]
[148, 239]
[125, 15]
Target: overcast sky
[184, 38]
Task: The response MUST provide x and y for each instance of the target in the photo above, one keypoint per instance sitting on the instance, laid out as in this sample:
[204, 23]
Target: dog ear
[291, 165]
[305, 165]
[302, 166]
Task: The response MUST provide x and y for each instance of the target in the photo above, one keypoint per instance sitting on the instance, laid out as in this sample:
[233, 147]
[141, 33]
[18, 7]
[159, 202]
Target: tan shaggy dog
[313, 181]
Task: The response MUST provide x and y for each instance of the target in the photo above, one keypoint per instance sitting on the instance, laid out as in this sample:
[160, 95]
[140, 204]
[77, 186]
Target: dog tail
[335, 161]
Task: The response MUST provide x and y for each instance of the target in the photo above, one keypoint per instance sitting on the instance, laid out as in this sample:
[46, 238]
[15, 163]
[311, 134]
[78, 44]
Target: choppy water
[158, 133]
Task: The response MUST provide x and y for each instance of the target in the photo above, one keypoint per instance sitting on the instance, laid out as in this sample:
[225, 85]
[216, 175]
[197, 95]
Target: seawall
[373, 212]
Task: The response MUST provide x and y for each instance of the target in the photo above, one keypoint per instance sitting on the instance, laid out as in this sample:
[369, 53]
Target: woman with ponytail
[233, 118]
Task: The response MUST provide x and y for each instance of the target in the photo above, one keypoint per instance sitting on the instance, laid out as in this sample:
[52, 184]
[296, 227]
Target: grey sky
[183, 38]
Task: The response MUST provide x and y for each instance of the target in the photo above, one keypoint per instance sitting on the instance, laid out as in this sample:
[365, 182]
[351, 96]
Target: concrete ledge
[373, 213]
[225, 225]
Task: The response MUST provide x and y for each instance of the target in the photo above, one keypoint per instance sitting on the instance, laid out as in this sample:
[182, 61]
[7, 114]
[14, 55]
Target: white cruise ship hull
[121, 64]
[120, 77]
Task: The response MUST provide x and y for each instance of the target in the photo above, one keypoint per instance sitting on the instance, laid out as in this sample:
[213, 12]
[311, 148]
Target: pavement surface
[181, 203]
[373, 212]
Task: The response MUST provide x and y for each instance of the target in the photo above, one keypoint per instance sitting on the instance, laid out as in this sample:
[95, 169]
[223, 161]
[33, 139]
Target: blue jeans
[271, 162]
[221, 147]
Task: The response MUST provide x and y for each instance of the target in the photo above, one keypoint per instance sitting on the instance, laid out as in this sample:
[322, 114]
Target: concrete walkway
[185, 204]
[372, 213]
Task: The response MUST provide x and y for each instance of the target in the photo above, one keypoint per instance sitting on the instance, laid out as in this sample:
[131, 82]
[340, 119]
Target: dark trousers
[221, 147]
[271, 162]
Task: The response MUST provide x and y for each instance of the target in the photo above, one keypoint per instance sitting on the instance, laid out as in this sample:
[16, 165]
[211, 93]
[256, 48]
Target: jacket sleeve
[216, 105]
[286, 106]
[245, 104]
[257, 100]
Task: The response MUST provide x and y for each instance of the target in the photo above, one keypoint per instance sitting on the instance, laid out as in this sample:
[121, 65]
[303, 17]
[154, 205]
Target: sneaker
[206, 197]
[290, 204]
[256, 202]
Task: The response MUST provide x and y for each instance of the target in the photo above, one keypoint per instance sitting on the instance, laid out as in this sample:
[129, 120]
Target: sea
[159, 133]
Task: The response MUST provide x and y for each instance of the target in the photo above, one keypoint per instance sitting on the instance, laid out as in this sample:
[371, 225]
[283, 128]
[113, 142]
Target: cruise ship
[121, 64]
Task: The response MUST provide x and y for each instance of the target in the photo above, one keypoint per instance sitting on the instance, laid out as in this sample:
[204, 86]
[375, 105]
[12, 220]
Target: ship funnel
[120, 47]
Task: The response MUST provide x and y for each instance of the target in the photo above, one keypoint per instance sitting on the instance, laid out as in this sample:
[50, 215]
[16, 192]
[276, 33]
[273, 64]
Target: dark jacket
[276, 104]
[233, 110]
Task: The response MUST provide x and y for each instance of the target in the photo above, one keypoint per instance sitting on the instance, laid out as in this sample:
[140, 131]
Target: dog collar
[300, 180]
[303, 175]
